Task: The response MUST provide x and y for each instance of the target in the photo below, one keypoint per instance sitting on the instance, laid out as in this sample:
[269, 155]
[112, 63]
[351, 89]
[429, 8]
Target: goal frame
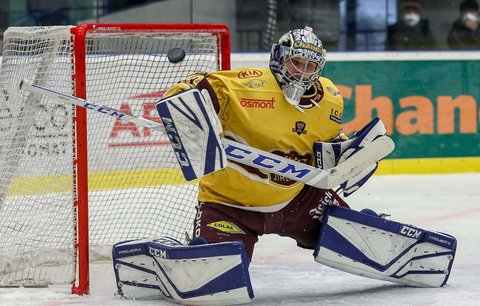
[81, 285]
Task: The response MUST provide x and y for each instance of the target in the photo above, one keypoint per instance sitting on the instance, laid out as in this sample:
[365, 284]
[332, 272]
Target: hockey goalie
[292, 111]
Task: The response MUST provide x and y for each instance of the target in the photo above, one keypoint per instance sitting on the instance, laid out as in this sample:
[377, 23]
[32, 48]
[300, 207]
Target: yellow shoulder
[188, 83]
[331, 91]
[329, 86]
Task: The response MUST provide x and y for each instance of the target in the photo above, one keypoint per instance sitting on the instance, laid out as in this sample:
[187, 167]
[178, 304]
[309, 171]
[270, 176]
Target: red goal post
[73, 186]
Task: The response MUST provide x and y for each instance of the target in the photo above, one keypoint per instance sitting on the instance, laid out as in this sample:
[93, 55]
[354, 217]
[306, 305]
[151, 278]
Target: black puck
[175, 55]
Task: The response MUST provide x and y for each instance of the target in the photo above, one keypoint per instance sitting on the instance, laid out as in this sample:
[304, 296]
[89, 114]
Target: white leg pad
[208, 274]
[374, 247]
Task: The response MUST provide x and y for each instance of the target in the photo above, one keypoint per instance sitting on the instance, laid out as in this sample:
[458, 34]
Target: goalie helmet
[296, 61]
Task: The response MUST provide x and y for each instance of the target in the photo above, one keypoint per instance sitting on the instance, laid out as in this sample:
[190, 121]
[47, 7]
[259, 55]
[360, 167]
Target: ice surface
[283, 274]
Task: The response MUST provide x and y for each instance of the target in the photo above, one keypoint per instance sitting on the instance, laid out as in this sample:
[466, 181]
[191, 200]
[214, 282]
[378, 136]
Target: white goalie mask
[297, 61]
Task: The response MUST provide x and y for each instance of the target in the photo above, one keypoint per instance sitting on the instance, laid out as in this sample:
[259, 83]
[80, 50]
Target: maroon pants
[300, 220]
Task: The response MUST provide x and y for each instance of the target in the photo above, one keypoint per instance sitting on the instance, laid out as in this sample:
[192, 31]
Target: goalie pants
[299, 220]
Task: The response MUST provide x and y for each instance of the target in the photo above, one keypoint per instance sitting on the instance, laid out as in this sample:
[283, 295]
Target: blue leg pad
[367, 245]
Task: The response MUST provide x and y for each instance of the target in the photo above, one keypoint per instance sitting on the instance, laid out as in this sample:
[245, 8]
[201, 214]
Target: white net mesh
[36, 210]
[135, 187]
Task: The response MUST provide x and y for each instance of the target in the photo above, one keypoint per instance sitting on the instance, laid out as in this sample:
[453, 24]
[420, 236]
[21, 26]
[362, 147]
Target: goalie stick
[250, 156]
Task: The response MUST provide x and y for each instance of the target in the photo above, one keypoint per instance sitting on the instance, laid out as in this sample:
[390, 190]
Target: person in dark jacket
[465, 31]
[411, 32]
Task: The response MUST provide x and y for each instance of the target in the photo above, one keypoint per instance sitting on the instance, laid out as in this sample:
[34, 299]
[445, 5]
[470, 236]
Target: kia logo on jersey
[249, 73]
[299, 128]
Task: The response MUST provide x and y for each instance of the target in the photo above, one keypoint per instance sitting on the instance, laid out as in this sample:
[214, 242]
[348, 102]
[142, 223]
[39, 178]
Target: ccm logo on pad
[157, 252]
[410, 232]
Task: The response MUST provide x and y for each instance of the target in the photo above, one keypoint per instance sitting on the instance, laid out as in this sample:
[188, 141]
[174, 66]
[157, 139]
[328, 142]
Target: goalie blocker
[367, 245]
[194, 132]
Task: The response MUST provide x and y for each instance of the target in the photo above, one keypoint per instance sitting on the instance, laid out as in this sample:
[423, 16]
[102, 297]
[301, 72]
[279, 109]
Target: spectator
[465, 32]
[411, 32]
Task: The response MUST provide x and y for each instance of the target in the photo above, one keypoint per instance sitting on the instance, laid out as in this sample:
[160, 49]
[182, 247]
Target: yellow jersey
[252, 110]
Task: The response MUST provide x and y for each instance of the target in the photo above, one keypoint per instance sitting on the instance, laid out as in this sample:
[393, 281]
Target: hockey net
[56, 201]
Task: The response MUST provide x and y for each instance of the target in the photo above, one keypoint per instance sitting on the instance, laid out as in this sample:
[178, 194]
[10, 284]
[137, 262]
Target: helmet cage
[297, 44]
[300, 73]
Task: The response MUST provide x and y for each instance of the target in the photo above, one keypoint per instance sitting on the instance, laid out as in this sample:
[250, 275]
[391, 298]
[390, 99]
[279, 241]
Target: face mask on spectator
[470, 20]
[469, 16]
[411, 19]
